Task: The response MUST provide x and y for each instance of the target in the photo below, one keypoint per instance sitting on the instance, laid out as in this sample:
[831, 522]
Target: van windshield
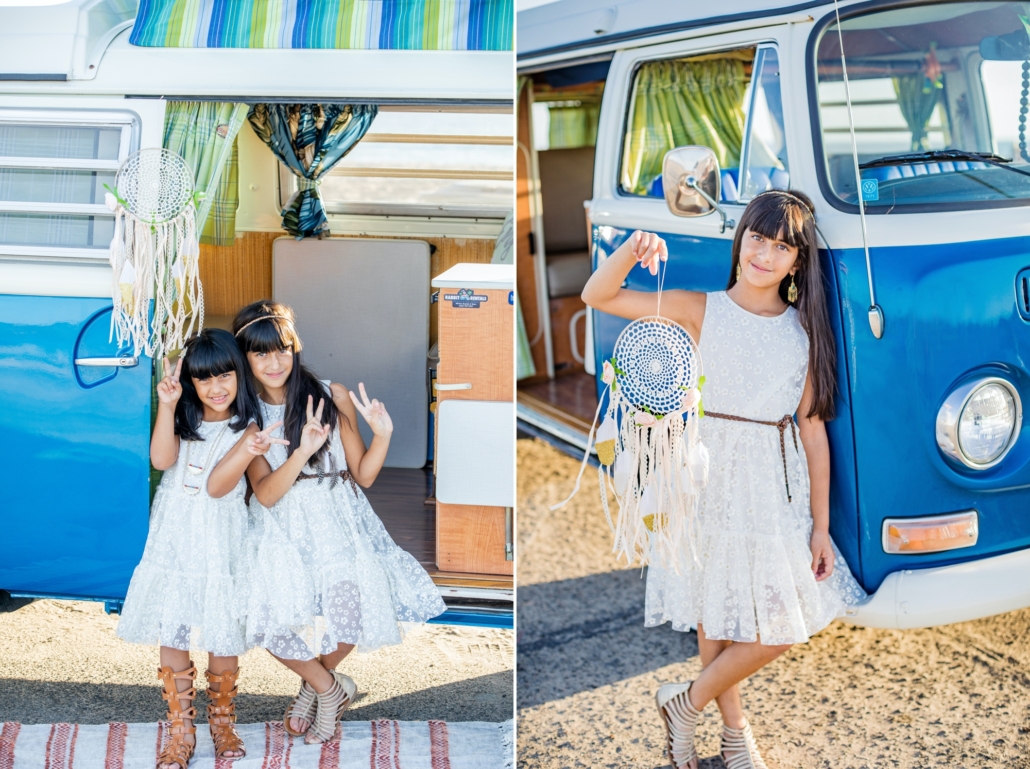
[935, 94]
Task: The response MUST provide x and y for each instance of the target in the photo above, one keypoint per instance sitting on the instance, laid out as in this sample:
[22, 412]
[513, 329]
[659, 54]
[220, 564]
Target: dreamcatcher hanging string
[155, 254]
[650, 458]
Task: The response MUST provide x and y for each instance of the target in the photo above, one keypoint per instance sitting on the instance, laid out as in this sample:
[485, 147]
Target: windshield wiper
[937, 155]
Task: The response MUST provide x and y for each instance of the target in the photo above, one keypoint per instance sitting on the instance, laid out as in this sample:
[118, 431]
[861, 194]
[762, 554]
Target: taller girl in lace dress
[769, 575]
[326, 576]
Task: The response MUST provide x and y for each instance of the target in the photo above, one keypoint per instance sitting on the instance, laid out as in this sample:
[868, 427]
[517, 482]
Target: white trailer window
[424, 163]
[53, 168]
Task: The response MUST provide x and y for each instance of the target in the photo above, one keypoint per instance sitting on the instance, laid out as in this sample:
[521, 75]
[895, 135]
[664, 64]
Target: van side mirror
[691, 182]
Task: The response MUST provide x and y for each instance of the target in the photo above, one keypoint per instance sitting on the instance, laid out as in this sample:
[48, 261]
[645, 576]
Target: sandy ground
[61, 661]
[852, 698]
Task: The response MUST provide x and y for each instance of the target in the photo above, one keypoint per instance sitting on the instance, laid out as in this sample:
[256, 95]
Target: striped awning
[428, 25]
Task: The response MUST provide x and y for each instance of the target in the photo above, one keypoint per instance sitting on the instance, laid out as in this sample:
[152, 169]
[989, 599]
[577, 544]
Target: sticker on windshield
[870, 189]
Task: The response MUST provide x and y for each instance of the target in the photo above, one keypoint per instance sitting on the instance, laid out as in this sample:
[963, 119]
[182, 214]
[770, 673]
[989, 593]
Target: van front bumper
[914, 598]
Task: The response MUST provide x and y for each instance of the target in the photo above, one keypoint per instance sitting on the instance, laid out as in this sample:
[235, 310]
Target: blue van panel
[950, 316]
[75, 476]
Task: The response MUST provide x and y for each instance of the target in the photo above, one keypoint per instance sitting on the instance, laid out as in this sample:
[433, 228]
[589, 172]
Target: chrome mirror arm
[688, 181]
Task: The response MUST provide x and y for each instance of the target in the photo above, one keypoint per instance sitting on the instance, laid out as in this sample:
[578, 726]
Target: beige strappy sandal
[741, 742]
[329, 708]
[176, 750]
[221, 715]
[302, 707]
[680, 719]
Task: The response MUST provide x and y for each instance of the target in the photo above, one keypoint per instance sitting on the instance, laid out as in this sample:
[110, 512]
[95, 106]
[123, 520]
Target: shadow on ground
[579, 634]
[485, 698]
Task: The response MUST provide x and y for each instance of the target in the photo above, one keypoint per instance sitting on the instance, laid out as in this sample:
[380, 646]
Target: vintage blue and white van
[428, 187]
[930, 293]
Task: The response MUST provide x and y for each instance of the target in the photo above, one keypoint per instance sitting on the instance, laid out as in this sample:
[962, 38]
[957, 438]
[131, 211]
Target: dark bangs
[211, 353]
[777, 217]
[266, 327]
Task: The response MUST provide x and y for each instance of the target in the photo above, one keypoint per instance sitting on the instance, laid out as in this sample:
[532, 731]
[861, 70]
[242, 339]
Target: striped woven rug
[371, 744]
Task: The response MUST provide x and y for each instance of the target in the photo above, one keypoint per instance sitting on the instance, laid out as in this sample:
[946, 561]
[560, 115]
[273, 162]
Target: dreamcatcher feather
[155, 254]
[650, 454]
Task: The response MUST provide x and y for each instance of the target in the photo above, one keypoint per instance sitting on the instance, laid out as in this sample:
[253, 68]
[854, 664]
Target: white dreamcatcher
[648, 446]
[155, 254]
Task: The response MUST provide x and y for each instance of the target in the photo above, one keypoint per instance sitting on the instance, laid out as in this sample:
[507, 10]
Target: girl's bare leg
[219, 665]
[731, 662]
[178, 660]
[331, 660]
[729, 700]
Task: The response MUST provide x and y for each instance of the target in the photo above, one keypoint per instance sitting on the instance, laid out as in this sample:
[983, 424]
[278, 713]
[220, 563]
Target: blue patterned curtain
[310, 139]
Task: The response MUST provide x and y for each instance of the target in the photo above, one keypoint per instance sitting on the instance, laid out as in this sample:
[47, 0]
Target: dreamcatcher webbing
[650, 458]
[155, 254]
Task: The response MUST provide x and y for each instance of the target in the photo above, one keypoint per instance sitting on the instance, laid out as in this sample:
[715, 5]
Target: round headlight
[979, 422]
[985, 427]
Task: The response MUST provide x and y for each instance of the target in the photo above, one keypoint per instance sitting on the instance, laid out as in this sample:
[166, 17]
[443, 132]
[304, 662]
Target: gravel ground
[852, 698]
[61, 661]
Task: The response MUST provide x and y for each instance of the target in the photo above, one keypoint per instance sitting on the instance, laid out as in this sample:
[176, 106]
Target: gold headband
[263, 317]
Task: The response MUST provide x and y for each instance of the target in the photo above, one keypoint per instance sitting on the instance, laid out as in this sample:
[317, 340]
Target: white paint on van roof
[582, 23]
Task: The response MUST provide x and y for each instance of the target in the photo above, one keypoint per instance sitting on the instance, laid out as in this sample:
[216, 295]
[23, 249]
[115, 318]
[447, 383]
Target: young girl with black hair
[326, 575]
[769, 575]
[189, 589]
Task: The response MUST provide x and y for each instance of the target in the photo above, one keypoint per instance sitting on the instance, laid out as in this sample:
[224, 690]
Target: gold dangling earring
[792, 291]
[738, 270]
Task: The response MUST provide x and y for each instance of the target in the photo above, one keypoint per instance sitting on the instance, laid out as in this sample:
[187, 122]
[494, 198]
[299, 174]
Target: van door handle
[123, 362]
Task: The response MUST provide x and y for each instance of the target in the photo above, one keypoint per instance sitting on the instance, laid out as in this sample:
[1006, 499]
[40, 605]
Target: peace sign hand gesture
[259, 443]
[314, 433]
[168, 389]
[373, 412]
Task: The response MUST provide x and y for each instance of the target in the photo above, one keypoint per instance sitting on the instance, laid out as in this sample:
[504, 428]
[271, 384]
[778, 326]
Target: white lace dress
[190, 586]
[325, 570]
[755, 577]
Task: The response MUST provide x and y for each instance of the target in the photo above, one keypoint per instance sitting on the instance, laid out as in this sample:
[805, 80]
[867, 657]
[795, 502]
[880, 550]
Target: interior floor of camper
[570, 398]
[403, 498]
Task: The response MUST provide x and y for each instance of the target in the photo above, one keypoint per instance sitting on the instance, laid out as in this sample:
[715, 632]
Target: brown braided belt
[781, 425]
[344, 476]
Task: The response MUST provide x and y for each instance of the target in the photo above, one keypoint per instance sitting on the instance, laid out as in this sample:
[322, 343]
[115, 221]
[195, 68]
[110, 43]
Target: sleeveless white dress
[325, 571]
[755, 575]
[189, 588]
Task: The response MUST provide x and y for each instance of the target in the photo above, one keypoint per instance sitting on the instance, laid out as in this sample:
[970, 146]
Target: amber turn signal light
[931, 534]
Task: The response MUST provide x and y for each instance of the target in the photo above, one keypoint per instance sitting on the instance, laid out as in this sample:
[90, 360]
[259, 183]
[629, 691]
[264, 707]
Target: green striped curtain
[204, 133]
[683, 102]
[573, 126]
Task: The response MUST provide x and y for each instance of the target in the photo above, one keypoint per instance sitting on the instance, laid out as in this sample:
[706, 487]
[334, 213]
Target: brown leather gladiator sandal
[176, 749]
[221, 714]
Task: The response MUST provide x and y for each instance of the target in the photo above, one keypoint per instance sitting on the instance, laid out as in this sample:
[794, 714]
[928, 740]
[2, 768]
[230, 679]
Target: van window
[677, 102]
[412, 163]
[765, 154]
[935, 93]
[52, 177]
[565, 118]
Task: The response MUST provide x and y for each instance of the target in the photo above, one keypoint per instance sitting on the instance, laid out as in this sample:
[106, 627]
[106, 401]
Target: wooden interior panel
[470, 538]
[524, 250]
[477, 346]
[398, 497]
[234, 276]
[562, 310]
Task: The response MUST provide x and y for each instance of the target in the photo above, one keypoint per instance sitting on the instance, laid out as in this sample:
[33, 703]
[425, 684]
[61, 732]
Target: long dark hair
[790, 217]
[213, 352]
[268, 326]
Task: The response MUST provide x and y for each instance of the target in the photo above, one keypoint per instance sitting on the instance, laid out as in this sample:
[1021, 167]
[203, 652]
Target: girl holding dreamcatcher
[326, 576]
[190, 586]
[764, 574]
